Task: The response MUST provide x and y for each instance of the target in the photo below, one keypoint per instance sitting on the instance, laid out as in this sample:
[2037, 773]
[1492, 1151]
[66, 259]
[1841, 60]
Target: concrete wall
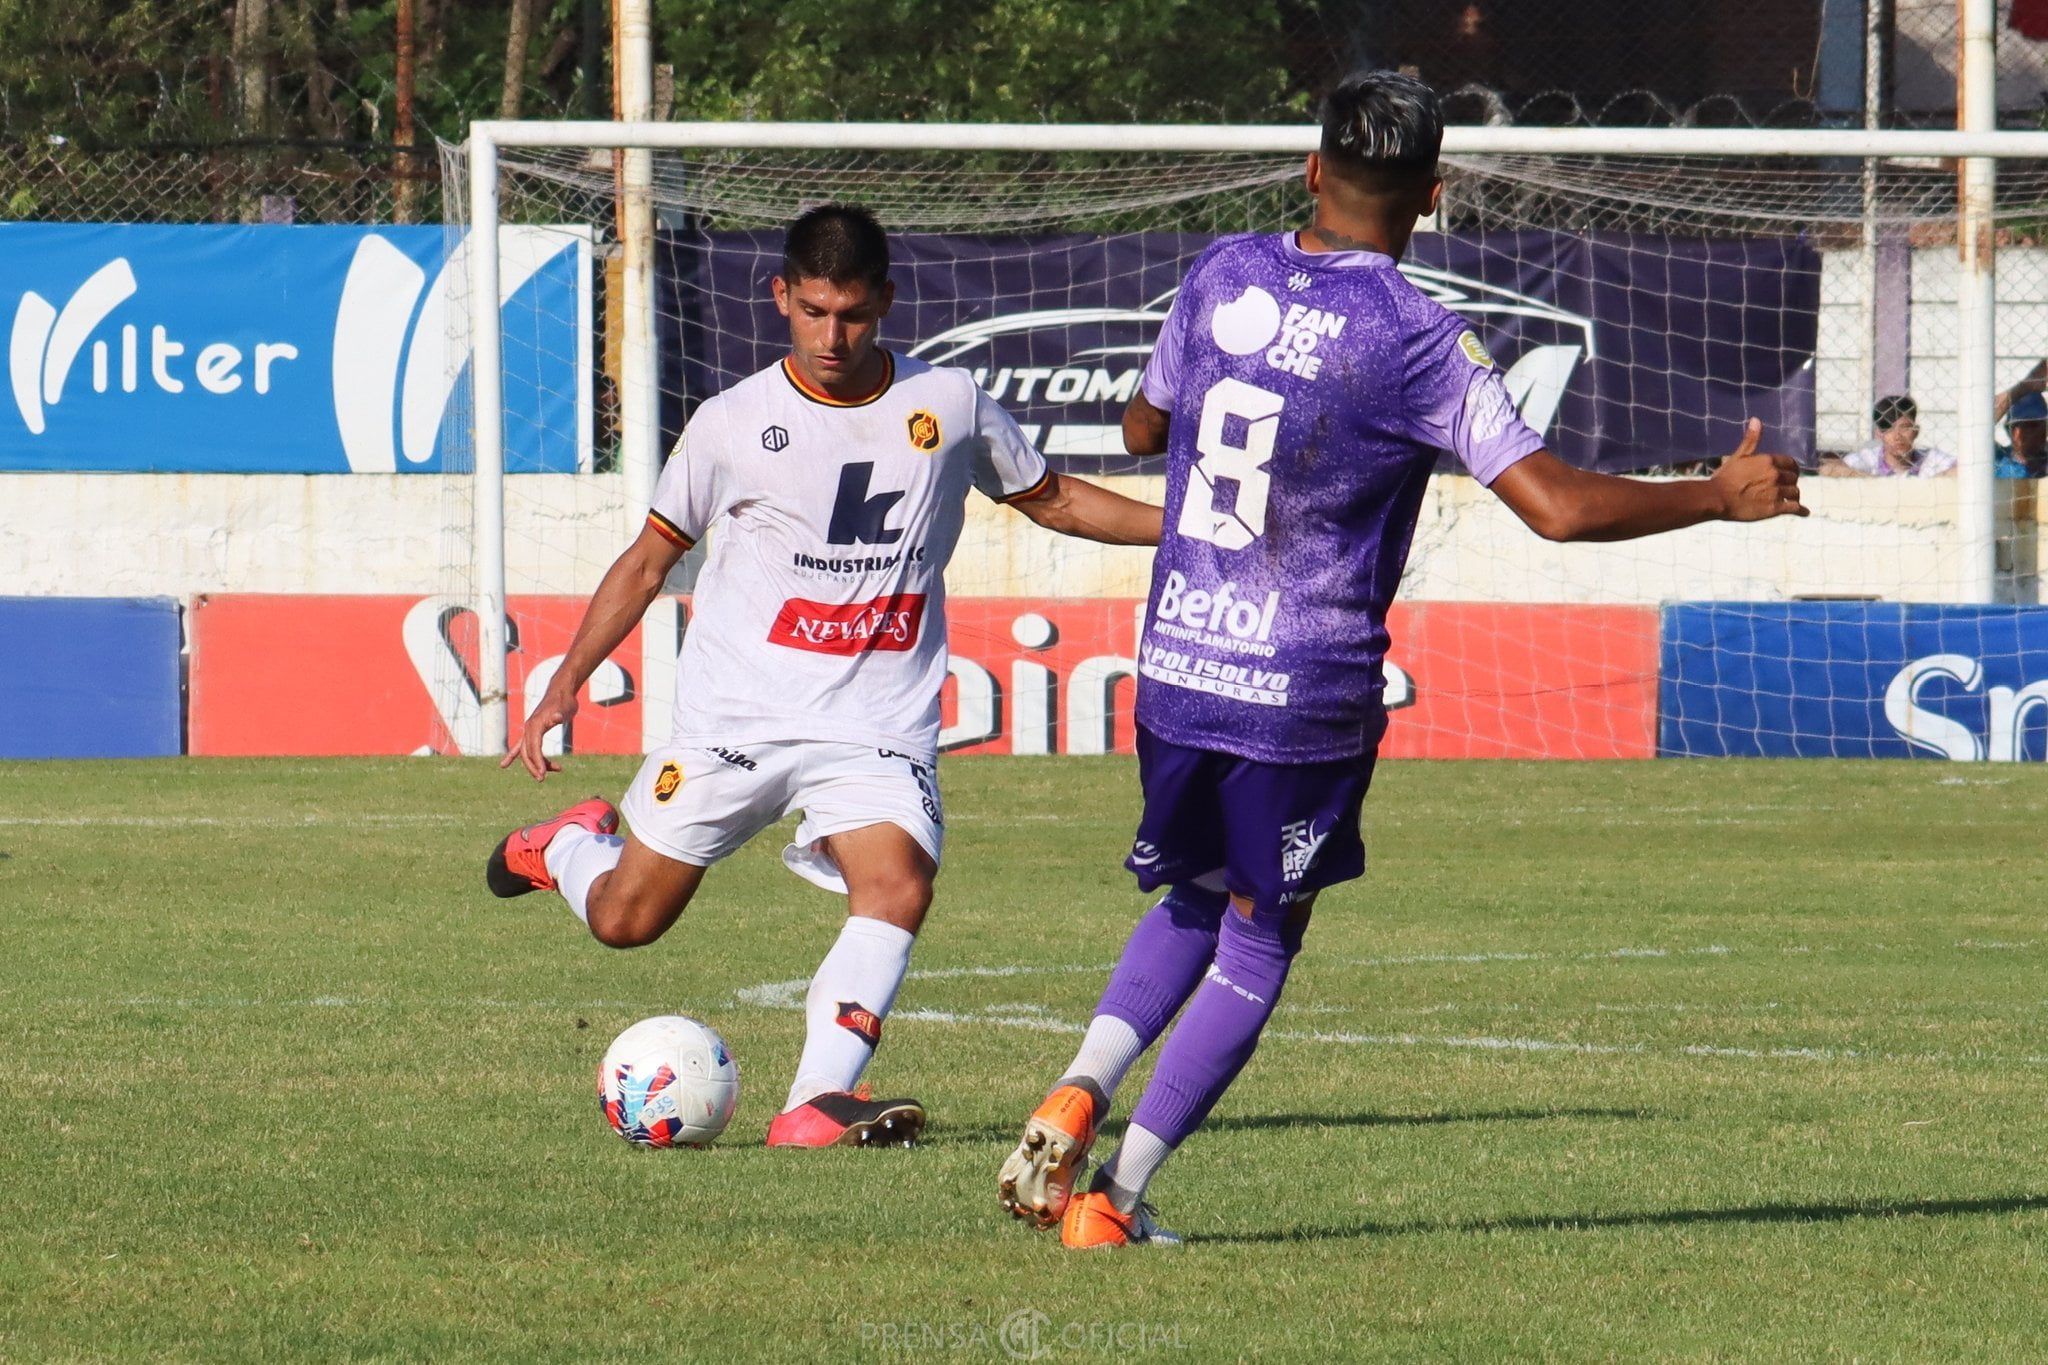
[184, 535]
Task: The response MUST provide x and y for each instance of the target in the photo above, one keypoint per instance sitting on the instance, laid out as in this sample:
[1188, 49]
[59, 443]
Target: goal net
[1641, 306]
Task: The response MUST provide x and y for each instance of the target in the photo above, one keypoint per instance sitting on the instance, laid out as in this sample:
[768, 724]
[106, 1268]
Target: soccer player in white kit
[833, 487]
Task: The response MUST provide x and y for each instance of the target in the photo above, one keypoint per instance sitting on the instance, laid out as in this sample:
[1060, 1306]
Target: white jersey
[820, 612]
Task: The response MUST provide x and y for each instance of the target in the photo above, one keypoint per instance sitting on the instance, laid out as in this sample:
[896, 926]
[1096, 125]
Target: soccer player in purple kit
[1301, 389]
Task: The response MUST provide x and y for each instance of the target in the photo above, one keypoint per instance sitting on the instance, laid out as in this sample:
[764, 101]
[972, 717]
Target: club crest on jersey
[667, 781]
[774, 438]
[1474, 352]
[924, 431]
[861, 1021]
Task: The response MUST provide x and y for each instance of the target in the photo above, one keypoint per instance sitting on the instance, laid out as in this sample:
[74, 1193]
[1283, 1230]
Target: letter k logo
[858, 518]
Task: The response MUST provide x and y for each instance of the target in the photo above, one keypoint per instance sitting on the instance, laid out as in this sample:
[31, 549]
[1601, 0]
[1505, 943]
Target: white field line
[225, 821]
[789, 995]
[251, 1002]
[1035, 1019]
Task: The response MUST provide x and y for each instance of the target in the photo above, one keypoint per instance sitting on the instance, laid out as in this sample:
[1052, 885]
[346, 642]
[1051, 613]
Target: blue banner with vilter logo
[302, 350]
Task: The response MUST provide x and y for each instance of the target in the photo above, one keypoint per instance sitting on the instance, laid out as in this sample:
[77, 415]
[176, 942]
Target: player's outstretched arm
[1075, 507]
[629, 588]
[1560, 502]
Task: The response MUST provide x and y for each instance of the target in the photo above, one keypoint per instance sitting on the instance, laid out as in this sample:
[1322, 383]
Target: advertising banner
[299, 350]
[1626, 352]
[1854, 680]
[385, 675]
[395, 675]
[89, 677]
[1490, 680]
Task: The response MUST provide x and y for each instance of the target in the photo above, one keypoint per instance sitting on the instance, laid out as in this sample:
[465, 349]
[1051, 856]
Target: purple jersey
[1310, 394]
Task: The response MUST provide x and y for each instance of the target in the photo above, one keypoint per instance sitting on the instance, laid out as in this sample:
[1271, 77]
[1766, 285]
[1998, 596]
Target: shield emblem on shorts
[666, 781]
[924, 431]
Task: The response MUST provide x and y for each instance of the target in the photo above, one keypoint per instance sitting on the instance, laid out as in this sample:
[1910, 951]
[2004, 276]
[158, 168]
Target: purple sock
[1219, 1029]
[1164, 960]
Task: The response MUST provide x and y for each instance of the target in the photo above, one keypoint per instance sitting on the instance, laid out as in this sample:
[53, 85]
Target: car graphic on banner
[306, 350]
[1085, 363]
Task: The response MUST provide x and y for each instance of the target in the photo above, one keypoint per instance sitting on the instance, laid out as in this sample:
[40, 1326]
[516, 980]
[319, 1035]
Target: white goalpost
[1666, 212]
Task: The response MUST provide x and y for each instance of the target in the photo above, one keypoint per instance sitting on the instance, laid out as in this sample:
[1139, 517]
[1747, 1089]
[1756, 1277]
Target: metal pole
[639, 402]
[639, 388]
[1873, 114]
[1976, 299]
[486, 368]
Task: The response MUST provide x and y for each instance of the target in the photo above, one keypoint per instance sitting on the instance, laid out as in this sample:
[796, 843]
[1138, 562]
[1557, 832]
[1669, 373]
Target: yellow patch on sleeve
[1474, 352]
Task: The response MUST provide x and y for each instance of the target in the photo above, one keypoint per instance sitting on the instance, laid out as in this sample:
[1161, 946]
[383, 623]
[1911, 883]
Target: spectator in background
[2025, 411]
[1896, 449]
[2026, 425]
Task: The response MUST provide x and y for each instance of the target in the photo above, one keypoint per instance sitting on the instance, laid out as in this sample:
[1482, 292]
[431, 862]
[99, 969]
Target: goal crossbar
[1276, 138]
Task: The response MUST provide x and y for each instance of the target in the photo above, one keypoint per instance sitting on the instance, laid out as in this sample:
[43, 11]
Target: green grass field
[1668, 1060]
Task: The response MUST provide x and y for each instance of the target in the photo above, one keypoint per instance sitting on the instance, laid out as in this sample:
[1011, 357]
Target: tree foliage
[1008, 60]
[137, 71]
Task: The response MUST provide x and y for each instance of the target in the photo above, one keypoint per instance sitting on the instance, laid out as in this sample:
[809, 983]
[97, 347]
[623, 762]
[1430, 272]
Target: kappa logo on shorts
[927, 784]
[774, 438]
[924, 431]
[667, 781]
[858, 1019]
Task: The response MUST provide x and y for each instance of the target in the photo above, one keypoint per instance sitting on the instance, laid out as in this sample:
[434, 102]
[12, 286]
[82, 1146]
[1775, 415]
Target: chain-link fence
[234, 182]
[180, 111]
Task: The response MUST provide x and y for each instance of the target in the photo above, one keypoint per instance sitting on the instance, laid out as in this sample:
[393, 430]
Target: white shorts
[698, 805]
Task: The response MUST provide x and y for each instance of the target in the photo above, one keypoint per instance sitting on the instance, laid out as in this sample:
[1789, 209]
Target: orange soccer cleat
[1092, 1222]
[519, 863]
[1038, 1178]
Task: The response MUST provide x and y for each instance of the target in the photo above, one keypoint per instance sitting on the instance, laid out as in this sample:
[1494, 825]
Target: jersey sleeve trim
[669, 531]
[1035, 491]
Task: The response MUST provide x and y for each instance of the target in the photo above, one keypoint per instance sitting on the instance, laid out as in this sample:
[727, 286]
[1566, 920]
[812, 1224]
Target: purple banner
[1627, 352]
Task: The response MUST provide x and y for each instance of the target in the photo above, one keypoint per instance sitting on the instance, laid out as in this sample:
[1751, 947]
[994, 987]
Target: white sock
[576, 858]
[1107, 1051]
[849, 998]
[1126, 1174]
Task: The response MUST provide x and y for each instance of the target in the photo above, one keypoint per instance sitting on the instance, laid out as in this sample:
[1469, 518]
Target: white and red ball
[669, 1081]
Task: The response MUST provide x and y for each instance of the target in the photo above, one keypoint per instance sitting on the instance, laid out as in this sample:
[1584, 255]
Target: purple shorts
[1275, 831]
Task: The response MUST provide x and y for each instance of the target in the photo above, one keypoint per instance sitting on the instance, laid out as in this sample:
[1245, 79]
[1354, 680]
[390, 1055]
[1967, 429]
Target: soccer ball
[669, 1081]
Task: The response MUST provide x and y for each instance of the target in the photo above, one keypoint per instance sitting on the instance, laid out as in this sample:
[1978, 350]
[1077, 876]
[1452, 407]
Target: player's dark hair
[841, 243]
[1382, 131]
[1890, 411]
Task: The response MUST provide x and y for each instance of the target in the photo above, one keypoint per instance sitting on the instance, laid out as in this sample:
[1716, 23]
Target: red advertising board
[1039, 676]
[1489, 680]
[382, 675]
[395, 675]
